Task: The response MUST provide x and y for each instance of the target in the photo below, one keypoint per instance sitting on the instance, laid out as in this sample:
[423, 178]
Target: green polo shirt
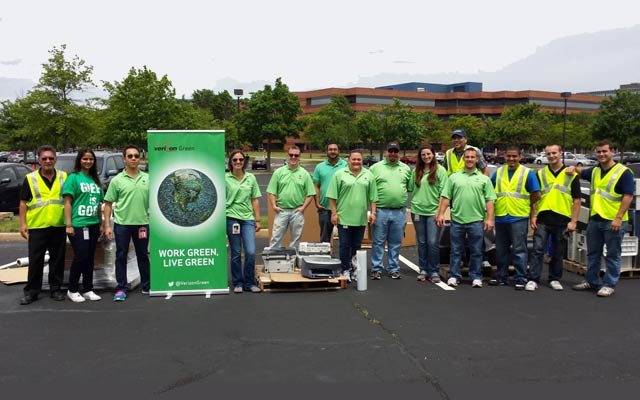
[426, 198]
[468, 194]
[240, 194]
[322, 176]
[131, 196]
[353, 195]
[392, 181]
[291, 187]
[86, 197]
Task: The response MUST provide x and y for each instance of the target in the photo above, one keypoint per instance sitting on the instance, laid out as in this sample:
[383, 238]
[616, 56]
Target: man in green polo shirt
[351, 193]
[321, 178]
[470, 195]
[290, 191]
[129, 191]
[392, 179]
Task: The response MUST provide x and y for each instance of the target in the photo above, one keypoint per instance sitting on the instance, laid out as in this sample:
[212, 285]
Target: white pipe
[24, 261]
[361, 256]
[10, 265]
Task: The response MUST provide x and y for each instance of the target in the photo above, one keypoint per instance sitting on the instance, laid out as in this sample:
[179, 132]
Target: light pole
[238, 92]
[565, 96]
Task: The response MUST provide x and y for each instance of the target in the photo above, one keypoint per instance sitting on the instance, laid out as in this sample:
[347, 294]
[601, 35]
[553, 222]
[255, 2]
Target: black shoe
[520, 285]
[495, 282]
[28, 299]
[57, 295]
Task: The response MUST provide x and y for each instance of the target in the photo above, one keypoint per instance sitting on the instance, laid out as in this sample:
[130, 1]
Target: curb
[10, 237]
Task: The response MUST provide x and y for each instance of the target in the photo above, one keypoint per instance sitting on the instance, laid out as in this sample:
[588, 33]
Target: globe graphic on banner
[187, 197]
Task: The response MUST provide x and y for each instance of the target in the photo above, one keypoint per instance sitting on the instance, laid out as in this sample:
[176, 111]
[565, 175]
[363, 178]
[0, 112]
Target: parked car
[370, 160]
[3, 156]
[408, 159]
[108, 164]
[18, 157]
[528, 158]
[440, 157]
[259, 163]
[11, 178]
[629, 157]
[578, 160]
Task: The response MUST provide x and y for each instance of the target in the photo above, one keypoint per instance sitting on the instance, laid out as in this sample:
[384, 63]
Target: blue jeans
[540, 239]
[474, 233]
[326, 227]
[84, 252]
[511, 246]
[350, 242]
[427, 235]
[123, 235]
[287, 218]
[599, 234]
[389, 227]
[242, 277]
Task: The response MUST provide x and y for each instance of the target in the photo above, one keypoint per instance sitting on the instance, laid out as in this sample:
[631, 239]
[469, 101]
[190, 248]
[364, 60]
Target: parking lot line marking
[169, 296]
[414, 267]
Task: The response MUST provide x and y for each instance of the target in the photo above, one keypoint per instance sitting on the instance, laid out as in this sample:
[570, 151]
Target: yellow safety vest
[604, 200]
[453, 164]
[46, 207]
[556, 192]
[512, 195]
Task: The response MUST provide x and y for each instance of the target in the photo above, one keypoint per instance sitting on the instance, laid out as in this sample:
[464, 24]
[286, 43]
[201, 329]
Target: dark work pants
[124, 234]
[84, 252]
[326, 227]
[350, 242]
[54, 240]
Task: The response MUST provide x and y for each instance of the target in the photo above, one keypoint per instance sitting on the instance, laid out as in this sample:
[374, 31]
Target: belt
[391, 208]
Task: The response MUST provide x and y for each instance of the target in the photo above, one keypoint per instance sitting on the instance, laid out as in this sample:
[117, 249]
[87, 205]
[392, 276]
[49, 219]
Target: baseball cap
[393, 145]
[459, 132]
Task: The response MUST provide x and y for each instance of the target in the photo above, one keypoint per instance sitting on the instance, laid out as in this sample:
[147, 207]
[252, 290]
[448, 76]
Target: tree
[619, 119]
[369, 128]
[270, 114]
[403, 125]
[475, 127]
[522, 124]
[139, 103]
[221, 105]
[333, 123]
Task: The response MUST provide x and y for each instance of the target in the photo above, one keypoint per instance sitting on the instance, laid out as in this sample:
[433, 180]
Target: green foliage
[333, 123]
[475, 127]
[370, 128]
[403, 125]
[221, 105]
[522, 124]
[139, 103]
[270, 114]
[434, 131]
[619, 119]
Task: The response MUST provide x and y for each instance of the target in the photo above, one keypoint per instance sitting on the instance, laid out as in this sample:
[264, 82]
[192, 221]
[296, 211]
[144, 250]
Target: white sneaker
[75, 297]
[605, 291]
[347, 275]
[452, 282]
[555, 285]
[531, 286]
[91, 296]
[477, 283]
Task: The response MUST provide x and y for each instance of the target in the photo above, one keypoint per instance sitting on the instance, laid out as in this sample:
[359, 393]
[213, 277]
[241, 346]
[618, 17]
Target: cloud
[404, 62]
[11, 62]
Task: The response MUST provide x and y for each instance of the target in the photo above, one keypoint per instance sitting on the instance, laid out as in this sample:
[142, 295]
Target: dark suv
[109, 165]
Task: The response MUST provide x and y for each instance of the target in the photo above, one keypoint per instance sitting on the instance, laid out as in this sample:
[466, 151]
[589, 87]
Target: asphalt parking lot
[446, 344]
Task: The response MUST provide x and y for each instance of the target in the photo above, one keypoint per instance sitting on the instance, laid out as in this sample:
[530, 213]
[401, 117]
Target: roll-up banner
[187, 222]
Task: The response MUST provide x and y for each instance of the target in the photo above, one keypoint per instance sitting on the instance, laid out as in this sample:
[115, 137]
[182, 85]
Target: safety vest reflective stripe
[38, 196]
[513, 198]
[605, 202]
[608, 196]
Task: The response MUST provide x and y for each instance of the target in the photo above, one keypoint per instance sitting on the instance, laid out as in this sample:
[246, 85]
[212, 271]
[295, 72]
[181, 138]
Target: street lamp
[238, 92]
[565, 96]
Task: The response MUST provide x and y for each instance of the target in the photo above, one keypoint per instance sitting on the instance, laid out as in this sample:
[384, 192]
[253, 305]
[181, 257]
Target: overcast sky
[329, 43]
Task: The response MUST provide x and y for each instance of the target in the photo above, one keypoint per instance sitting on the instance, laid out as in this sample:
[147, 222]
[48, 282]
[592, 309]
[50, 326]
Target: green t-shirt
[131, 197]
[291, 187]
[426, 197]
[353, 195]
[468, 194]
[392, 181]
[86, 196]
[322, 176]
[240, 194]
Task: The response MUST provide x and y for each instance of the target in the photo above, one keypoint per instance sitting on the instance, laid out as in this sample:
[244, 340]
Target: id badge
[142, 232]
[235, 229]
[85, 233]
[416, 218]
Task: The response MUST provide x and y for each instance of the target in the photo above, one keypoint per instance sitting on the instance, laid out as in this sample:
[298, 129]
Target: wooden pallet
[581, 269]
[4, 215]
[295, 282]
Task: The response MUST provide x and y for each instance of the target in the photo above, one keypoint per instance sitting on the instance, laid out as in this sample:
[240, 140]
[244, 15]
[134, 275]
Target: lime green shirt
[392, 181]
[353, 195]
[86, 197]
[426, 197]
[131, 196]
[468, 194]
[240, 194]
[322, 175]
[291, 187]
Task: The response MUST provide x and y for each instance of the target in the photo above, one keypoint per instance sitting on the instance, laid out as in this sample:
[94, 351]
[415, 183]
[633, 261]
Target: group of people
[349, 196]
[54, 205]
[512, 201]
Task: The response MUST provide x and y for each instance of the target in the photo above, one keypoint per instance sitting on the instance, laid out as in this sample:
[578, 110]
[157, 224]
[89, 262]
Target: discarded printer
[279, 259]
[315, 261]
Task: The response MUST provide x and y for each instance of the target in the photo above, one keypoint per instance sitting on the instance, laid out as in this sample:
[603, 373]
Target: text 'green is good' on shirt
[86, 196]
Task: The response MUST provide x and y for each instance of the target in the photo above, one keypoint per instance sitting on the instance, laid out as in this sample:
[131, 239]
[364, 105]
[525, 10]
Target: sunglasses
[47, 158]
[237, 159]
[294, 155]
[133, 155]
[393, 151]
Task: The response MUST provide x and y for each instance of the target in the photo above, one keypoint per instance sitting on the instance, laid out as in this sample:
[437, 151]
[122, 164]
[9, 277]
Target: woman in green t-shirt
[83, 197]
[427, 183]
